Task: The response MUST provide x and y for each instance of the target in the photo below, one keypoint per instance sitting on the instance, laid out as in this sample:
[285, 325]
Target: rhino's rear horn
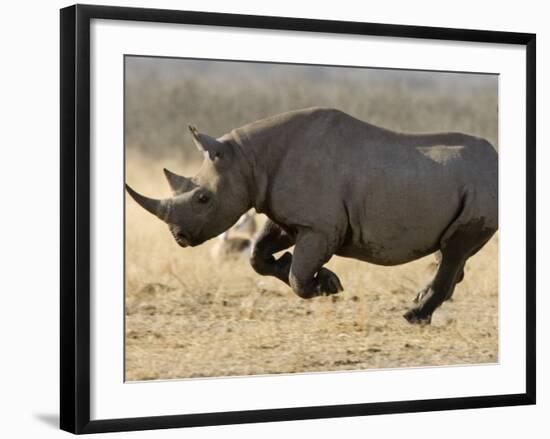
[159, 208]
[178, 183]
[207, 144]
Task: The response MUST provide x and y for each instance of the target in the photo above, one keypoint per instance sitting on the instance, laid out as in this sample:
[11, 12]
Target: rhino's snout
[181, 238]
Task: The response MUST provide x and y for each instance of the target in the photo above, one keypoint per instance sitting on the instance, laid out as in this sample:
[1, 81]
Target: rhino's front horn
[178, 183]
[159, 208]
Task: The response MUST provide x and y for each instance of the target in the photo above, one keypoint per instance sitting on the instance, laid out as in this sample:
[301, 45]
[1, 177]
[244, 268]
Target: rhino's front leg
[270, 240]
[308, 278]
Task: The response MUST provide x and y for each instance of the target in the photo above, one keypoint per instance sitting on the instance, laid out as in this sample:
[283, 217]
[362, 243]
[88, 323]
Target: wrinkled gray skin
[331, 184]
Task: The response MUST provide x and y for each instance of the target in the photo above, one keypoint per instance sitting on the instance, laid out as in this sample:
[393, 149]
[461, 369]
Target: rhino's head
[208, 204]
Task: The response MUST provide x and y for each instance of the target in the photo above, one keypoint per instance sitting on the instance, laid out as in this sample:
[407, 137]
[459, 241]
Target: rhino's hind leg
[466, 235]
[272, 239]
[422, 293]
[465, 240]
[436, 292]
[308, 278]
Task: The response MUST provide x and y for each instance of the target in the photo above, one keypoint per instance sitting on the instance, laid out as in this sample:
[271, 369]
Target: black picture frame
[75, 217]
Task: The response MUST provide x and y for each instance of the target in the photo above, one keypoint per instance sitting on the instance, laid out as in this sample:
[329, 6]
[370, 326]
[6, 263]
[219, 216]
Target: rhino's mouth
[182, 242]
[181, 238]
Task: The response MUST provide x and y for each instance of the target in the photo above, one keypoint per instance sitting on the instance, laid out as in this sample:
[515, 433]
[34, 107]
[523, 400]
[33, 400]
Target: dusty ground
[188, 315]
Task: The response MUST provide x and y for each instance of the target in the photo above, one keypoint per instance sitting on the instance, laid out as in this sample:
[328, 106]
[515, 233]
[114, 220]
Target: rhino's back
[320, 136]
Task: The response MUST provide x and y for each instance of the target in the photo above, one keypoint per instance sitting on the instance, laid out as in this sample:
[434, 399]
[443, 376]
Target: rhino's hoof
[328, 283]
[415, 316]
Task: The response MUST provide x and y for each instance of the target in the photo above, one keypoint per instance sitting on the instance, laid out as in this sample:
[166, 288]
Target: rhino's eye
[203, 198]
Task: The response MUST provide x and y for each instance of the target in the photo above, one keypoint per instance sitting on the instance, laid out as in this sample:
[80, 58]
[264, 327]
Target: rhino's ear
[207, 144]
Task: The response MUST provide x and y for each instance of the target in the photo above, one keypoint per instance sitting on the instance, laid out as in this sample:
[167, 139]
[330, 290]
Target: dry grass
[189, 316]
[163, 97]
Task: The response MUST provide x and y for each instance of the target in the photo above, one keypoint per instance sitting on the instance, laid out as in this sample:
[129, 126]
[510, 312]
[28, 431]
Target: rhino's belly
[400, 236]
[387, 253]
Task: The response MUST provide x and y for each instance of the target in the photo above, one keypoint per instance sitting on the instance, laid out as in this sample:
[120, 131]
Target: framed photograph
[268, 219]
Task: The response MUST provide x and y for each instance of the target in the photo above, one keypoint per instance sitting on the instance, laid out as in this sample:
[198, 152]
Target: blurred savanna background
[198, 312]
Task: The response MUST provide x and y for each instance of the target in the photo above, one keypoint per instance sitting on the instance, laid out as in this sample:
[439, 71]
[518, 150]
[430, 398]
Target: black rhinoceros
[331, 184]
